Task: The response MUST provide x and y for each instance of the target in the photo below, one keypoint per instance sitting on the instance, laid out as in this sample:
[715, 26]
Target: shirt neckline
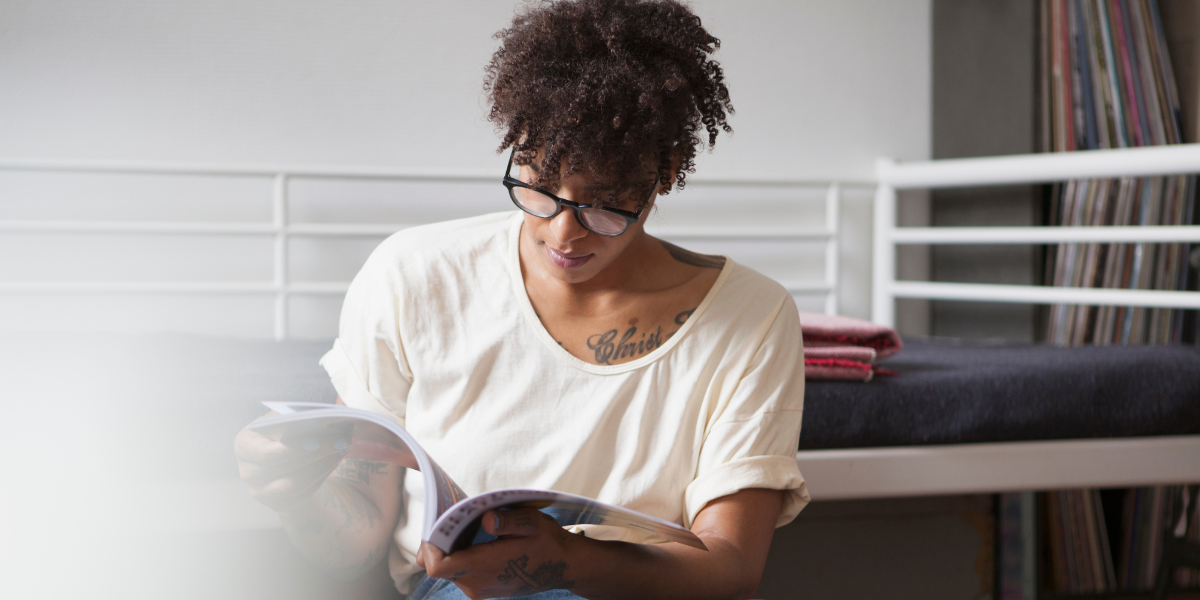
[522, 296]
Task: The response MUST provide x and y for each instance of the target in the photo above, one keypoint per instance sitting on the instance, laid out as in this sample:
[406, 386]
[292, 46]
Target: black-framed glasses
[540, 203]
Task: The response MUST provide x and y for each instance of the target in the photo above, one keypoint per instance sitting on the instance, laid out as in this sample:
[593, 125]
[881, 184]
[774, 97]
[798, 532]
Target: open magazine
[452, 518]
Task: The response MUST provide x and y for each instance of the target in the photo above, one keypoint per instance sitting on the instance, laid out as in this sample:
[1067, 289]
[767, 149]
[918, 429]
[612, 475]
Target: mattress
[949, 392]
[155, 406]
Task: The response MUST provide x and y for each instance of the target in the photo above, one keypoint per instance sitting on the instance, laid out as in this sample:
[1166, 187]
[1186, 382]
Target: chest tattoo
[614, 345]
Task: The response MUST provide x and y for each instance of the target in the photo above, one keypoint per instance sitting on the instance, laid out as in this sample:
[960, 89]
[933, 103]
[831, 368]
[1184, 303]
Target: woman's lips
[567, 261]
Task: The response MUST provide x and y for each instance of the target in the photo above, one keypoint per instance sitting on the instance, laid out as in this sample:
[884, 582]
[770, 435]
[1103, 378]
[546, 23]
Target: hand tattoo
[355, 469]
[550, 575]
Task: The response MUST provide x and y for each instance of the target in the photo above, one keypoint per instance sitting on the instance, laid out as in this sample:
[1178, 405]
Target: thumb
[429, 556]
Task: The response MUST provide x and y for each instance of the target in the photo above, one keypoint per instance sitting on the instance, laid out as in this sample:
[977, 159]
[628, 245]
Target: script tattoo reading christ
[608, 348]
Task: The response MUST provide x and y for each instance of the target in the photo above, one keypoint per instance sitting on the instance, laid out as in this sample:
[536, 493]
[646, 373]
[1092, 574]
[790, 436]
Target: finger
[421, 556]
[517, 521]
[277, 459]
[284, 492]
[283, 502]
[312, 451]
[248, 443]
[259, 475]
[434, 561]
[254, 445]
[379, 452]
[467, 562]
[305, 450]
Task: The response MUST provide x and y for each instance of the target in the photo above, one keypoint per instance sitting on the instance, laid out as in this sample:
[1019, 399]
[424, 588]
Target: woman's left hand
[531, 555]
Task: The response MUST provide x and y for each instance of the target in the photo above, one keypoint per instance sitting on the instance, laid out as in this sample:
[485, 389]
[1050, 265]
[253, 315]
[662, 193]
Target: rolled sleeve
[367, 364]
[753, 436]
[767, 472]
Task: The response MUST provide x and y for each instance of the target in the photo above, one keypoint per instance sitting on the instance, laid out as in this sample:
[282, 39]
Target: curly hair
[607, 87]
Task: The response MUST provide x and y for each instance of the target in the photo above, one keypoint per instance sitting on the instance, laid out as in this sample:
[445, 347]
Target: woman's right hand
[282, 475]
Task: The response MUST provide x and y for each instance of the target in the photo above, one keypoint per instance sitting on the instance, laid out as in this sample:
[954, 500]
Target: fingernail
[311, 445]
[495, 521]
[341, 444]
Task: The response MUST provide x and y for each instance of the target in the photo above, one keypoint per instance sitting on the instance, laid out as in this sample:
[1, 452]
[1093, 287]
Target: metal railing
[1021, 169]
[282, 229]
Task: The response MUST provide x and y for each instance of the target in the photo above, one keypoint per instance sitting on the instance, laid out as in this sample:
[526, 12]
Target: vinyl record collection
[1100, 543]
[1107, 82]
[1092, 542]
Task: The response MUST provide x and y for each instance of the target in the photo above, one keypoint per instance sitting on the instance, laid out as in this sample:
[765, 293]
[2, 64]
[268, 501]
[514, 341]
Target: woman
[561, 347]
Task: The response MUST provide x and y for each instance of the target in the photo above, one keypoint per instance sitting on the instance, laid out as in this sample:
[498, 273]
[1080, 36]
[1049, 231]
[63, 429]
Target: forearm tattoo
[349, 513]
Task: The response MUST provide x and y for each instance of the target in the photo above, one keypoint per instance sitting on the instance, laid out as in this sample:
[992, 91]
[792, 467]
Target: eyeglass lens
[541, 205]
[602, 222]
[535, 202]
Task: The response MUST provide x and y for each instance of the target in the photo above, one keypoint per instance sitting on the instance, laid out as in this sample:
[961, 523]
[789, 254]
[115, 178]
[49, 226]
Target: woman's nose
[566, 227]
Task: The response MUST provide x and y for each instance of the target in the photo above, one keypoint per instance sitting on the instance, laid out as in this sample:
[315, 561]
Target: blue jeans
[429, 588]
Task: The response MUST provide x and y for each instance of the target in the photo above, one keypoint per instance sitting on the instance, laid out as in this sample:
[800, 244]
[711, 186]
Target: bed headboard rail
[1022, 169]
[282, 229]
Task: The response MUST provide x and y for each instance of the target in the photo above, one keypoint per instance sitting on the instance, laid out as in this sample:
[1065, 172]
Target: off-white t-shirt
[437, 332]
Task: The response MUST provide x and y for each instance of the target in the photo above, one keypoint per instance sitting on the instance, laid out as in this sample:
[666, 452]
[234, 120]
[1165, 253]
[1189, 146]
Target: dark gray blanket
[949, 393]
[168, 406]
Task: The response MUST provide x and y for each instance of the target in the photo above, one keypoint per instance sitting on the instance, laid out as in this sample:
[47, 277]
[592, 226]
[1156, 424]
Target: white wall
[820, 87]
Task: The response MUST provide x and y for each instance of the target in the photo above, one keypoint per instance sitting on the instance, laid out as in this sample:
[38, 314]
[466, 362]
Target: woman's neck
[644, 267]
[649, 292]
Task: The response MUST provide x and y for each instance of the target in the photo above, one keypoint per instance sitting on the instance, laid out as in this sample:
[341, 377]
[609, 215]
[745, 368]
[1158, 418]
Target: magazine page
[454, 523]
[460, 527]
[372, 437]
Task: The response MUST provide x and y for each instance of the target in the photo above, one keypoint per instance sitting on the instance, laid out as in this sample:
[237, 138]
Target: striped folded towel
[841, 348]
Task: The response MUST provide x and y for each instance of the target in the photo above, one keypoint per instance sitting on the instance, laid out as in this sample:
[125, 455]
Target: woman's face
[563, 248]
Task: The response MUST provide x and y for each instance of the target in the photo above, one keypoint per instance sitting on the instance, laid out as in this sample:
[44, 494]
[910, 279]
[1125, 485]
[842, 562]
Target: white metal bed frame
[1022, 169]
[281, 228]
[832, 474]
[1011, 466]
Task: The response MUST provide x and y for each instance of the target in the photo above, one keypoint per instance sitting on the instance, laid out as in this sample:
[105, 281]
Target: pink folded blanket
[842, 348]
